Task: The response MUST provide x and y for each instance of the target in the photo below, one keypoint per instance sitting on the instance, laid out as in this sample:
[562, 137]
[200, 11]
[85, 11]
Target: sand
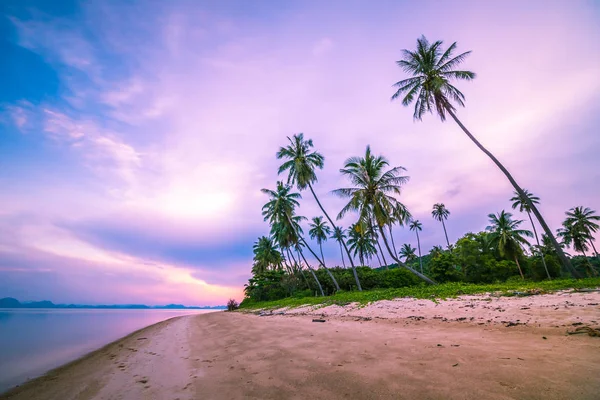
[403, 349]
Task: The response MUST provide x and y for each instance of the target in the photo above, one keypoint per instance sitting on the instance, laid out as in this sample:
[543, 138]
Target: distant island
[10, 302]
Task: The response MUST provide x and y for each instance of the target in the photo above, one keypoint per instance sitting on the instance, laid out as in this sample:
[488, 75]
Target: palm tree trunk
[559, 251]
[419, 246]
[400, 264]
[392, 237]
[335, 283]
[342, 254]
[538, 243]
[378, 244]
[344, 243]
[445, 233]
[519, 266]
[313, 273]
[590, 266]
[337, 286]
[594, 248]
[379, 259]
[291, 254]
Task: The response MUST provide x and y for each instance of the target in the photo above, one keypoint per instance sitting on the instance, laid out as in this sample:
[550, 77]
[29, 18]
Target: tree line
[372, 195]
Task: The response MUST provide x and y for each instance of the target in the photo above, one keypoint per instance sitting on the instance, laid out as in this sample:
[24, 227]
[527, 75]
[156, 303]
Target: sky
[135, 136]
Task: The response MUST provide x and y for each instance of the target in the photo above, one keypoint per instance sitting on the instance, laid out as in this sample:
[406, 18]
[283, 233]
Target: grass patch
[443, 291]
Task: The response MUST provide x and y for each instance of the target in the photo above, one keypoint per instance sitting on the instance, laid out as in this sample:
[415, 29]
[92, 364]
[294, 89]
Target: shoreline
[50, 374]
[383, 350]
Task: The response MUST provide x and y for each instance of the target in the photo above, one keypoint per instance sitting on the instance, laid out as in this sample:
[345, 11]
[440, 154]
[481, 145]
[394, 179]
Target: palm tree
[339, 236]
[266, 255]
[372, 195]
[319, 231]
[436, 251]
[523, 205]
[416, 226]
[279, 211]
[506, 237]
[362, 241]
[584, 217]
[301, 164]
[440, 213]
[431, 71]
[408, 252]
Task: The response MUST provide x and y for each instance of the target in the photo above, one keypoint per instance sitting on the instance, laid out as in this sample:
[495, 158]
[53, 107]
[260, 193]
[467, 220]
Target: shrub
[443, 268]
[232, 305]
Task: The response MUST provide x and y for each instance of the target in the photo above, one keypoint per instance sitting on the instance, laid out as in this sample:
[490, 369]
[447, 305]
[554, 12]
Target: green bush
[443, 268]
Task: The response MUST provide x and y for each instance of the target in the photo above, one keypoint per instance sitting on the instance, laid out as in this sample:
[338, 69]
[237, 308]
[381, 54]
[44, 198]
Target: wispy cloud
[168, 117]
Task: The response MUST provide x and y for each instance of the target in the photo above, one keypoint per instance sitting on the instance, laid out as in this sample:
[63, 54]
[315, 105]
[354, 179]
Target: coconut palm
[574, 236]
[441, 213]
[339, 235]
[301, 164]
[584, 217]
[279, 211]
[432, 70]
[319, 231]
[399, 216]
[522, 204]
[408, 252]
[416, 226]
[506, 237]
[266, 255]
[362, 242]
[436, 251]
[372, 195]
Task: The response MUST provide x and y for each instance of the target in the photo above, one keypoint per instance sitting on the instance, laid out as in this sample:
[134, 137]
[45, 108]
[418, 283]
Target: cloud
[164, 129]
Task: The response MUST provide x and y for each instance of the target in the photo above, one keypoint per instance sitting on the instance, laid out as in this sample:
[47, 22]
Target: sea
[34, 341]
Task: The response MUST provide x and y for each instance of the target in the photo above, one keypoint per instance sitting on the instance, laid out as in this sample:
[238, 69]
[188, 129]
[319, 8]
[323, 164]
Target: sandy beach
[474, 347]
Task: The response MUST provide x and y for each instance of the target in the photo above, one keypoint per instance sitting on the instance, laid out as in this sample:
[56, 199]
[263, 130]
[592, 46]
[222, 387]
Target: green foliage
[443, 268]
[422, 291]
[537, 267]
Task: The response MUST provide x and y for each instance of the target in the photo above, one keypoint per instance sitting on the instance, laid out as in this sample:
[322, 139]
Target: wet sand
[381, 356]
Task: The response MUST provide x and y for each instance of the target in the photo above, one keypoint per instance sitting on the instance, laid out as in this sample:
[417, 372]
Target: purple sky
[135, 137]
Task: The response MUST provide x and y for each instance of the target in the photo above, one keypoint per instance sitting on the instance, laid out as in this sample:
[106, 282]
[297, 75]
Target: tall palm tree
[441, 213]
[319, 231]
[408, 252]
[279, 211]
[584, 217]
[339, 236]
[506, 237]
[416, 226]
[362, 242]
[372, 195]
[522, 204]
[301, 164]
[432, 71]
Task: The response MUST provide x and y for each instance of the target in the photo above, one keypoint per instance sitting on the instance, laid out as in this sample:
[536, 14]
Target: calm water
[33, 341]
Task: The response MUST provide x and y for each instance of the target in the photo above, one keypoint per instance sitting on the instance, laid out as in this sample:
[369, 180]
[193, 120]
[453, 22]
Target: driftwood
[585, 329]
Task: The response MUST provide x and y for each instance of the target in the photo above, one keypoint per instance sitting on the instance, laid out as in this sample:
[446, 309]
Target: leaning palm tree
[408, 252]
[372, 195]
[416, 226]
[319, 231]
[506, 237]
[584, 217]
[339, 236]
[522, 204]
[280, 210]
[301, 164]
[441, 213]
[432, 71]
